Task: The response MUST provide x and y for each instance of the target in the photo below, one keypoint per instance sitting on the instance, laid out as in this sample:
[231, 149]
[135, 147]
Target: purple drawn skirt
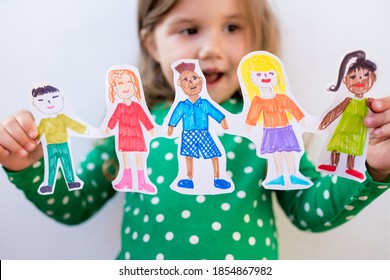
[281, 139]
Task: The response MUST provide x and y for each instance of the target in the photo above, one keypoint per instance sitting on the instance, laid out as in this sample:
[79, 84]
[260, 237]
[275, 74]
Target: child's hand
[378, 121]
[18, 144]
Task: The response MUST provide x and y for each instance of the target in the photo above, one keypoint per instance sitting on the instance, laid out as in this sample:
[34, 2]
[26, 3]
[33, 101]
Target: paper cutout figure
[56, 121]
[193, 112]
[350, 136]
[127, 115]
[268, 103]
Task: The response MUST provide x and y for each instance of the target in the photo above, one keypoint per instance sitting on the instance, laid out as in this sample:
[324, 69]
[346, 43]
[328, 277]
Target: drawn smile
[359, 85]
[265, 80]
[50, 107]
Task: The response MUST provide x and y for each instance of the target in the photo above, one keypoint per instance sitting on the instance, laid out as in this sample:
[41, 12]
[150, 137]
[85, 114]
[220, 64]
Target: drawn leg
[219, 183]
[334, 162]
[295, 180]
[188, 183]
[279, 180]
[142, 185]
[351, 168]
[52, 170]
[127, 178]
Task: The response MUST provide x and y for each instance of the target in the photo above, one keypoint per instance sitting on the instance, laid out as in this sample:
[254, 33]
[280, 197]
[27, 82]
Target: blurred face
[359, 81]
[215, 32]
[49, 103]
[124, 87]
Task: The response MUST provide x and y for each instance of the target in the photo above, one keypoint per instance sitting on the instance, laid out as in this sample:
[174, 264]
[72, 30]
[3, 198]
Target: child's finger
[26, 121]
[15, 139]
[10, 145]
[381, 104]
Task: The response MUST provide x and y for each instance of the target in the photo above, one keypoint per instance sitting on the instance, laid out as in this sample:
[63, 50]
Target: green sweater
[169, 225]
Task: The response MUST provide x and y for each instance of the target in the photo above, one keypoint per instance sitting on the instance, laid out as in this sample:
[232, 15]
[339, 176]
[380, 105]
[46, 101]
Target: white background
[72, 44]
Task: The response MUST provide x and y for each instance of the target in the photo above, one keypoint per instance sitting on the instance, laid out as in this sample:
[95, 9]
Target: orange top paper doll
[263, 81]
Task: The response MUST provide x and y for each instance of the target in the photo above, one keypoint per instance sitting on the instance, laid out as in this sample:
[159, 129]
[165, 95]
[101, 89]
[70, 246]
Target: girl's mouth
[265, 81]
[213, 77]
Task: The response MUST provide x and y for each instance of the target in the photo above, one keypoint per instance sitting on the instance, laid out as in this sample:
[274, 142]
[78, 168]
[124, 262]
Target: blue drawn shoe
[298, 181]
[221, 184]
[46, 189]
[186, 184]
[74, 186]
[277, 181]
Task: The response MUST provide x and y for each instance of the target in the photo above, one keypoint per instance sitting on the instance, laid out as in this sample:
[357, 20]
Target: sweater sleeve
[330, 202]
[72, 207]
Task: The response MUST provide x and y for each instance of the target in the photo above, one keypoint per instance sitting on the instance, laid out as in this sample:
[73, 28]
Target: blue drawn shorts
[198, 141]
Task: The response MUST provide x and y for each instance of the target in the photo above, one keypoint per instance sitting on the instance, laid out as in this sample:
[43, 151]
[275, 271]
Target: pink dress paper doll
[129, 116]
[350, 135]
[263, 83]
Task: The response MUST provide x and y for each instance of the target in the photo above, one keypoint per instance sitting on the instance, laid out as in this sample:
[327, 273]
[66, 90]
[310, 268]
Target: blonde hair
[263, 24]
[261, 62]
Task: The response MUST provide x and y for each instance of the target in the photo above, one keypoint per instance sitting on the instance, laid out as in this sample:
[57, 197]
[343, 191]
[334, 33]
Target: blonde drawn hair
[264, 29]
[117, 74]
[261, 62]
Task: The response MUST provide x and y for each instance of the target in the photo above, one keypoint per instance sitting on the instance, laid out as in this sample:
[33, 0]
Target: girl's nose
[210, 46]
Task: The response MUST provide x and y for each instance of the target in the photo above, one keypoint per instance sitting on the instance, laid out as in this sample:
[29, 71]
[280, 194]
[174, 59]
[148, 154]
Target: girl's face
[359, 81]
[124, 87]
[215, 32]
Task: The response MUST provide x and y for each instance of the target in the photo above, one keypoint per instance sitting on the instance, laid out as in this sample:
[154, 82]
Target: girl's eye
[232, 27]
[353, 77]
[366, 74]
[258, 74]
[189, 31]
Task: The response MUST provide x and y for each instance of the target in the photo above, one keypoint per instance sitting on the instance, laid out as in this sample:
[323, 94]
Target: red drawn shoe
[327, 167]
[355, 173]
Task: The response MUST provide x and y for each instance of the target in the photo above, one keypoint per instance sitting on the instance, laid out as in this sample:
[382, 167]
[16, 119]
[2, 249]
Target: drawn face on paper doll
[48, 100]
[124, 87]
[189, 81]
[124, 84]
[264, 79]
[359, 80]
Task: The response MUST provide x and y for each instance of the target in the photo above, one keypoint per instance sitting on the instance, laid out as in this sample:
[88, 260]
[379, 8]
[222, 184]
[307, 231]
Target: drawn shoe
[143, 186]
[46, 189]
[355, 173]
[186, 184]
[298, 181]
[221, 184]
[126, 181]
[74, 186]
[277, 181]
[327, 167]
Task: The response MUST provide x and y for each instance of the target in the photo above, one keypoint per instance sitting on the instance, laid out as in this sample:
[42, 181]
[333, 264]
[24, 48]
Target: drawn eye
[185, 79]
[40, 100]
[271, 73]
[353, 77]
[55, 96]
[194, 77]
[258, 74]
[366, 74]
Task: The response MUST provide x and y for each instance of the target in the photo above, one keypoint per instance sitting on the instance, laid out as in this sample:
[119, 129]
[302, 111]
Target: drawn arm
[74, 125]
[334, 114]
[254, 112]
